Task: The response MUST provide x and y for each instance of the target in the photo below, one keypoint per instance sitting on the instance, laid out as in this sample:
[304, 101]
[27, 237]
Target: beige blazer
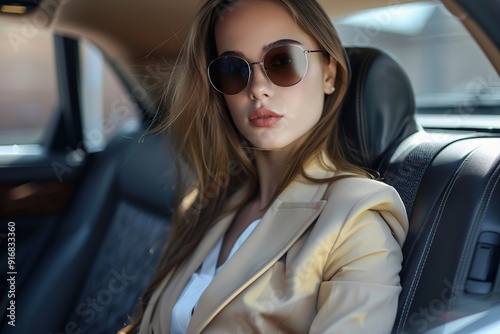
[323, 259]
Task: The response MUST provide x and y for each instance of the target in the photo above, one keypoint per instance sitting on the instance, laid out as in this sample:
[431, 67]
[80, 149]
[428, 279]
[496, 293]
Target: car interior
[91, 224]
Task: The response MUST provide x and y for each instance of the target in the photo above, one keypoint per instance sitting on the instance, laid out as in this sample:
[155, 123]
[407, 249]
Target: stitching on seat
[428, 244]
[479, 219]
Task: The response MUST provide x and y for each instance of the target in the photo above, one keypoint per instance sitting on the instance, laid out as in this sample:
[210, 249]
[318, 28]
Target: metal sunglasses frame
[250, 64]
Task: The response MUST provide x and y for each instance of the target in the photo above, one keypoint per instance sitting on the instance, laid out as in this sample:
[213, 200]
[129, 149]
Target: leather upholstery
[449, 184]
[451, 257]
[101, 259]
[379, 109]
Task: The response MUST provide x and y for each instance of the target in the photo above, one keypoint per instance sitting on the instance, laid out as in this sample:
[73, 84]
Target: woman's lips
[264, 118]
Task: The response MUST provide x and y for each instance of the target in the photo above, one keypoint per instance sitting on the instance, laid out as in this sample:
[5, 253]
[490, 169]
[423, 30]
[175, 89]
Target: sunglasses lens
[285, 65]
[229, 74]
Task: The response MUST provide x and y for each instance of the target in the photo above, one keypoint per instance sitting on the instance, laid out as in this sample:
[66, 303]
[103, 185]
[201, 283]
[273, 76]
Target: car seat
[449, 183]
[109, 244]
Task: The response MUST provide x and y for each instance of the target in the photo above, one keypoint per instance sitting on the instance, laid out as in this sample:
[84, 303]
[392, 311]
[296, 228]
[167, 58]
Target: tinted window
[451, 76]
[28, 86]
[107, 105]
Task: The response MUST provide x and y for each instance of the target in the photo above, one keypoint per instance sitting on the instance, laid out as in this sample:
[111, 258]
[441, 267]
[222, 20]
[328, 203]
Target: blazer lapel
[171, 290]
[285, 221]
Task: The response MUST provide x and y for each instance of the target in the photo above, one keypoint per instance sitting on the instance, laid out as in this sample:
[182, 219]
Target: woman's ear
[330, 75]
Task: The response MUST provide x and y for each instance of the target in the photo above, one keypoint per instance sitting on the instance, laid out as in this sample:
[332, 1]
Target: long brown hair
[210, 147]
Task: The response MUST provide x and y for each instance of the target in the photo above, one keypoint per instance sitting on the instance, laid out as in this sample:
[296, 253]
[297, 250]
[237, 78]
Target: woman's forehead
[251, 26]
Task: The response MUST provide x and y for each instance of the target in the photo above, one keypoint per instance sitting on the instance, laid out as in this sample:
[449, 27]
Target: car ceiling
[133, 29]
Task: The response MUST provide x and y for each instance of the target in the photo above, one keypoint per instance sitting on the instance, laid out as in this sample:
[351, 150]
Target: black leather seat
[104, 255]
[449, 184]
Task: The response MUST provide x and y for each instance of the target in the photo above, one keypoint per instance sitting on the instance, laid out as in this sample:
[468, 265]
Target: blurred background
[464, 89]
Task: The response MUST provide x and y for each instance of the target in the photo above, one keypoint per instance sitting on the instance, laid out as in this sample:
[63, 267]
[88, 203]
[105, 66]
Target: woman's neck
[270, 168]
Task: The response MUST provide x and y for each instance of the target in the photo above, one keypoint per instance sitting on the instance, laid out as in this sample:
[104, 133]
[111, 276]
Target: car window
[107, 105]
[28, 85]
[455, 85]
[29, 93]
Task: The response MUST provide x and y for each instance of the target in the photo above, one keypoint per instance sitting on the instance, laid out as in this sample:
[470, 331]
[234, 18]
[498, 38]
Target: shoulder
[349, 199]
[362, 191]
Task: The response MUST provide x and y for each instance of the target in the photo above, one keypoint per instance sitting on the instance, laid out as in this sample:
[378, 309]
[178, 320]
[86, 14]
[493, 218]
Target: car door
[61, 102]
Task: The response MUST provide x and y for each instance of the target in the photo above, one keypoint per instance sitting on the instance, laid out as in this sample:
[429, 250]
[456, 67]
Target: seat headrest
[145, 169]
[379, 108]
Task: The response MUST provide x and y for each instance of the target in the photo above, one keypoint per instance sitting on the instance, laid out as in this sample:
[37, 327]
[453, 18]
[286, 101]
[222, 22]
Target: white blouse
[199, 281]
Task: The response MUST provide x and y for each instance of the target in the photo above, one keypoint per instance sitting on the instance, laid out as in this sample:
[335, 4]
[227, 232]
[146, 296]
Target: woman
[280, 233]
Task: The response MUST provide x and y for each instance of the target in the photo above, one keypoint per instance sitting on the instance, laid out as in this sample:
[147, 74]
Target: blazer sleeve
[361, 285]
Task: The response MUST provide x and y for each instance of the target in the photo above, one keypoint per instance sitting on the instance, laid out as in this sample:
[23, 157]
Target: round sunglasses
[283, 65]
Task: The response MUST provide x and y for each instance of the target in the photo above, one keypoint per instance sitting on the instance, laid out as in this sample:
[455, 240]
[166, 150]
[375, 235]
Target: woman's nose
[259, 86]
